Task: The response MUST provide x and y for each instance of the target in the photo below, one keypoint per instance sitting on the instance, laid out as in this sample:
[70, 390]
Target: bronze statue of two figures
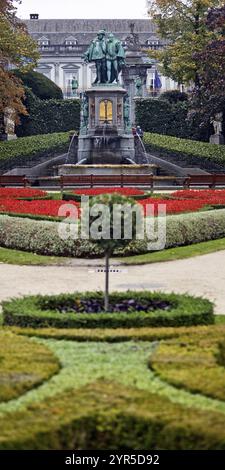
[108, 55]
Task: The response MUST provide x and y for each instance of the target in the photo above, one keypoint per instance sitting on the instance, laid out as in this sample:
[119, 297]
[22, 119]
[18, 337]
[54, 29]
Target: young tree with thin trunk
[111, 227]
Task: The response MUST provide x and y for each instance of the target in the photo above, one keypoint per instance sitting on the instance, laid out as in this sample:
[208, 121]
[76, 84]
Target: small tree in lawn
[114, 221]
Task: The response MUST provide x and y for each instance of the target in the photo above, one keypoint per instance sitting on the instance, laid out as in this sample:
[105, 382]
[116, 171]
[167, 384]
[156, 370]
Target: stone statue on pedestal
[217, 123]
[9, 123]
[126, 113]
[84, 114]
[138, 86]
[75, 85]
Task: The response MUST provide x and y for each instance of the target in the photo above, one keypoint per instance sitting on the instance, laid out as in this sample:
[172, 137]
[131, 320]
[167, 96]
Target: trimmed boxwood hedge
[167, 146]
[42, 237]
[24, 366]
[107, 415]
[193, 362]
[53, 115]
[27, 150]
[41, 311]
[161, 116]
[41, 86]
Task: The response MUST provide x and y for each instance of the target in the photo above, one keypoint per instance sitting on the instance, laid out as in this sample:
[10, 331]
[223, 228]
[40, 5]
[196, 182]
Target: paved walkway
[201, 275]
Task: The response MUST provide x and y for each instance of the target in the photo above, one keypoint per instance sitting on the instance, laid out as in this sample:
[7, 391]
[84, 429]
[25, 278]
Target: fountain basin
[107, 169]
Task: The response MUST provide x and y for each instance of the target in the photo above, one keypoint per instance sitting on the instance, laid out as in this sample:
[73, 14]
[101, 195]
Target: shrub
[28, 150]
[108, 415]
[162, 117]
[193, 362]
[42, 237]
[48, 116]
[173, 96]
[197, 152]
[23, 366]
[41, 86]
[38, 311]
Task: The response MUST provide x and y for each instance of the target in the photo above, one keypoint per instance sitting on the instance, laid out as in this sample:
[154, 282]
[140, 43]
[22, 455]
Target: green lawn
[180, 252]
[9, 256]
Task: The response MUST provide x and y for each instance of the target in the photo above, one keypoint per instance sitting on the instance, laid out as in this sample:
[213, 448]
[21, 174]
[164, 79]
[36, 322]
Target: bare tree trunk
[106, 281]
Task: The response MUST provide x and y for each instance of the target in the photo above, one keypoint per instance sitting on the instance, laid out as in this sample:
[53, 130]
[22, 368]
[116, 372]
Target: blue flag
[157, 81]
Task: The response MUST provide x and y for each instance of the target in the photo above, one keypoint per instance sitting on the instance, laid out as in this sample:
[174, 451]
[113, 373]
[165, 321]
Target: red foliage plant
[97, 191]
[16, 193]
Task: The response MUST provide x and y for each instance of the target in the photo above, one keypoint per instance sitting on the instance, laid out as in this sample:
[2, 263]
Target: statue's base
[11, 137]
[107, 139]
[217, 139]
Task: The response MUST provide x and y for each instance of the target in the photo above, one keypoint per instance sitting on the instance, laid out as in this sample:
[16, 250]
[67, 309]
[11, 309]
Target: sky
[83, 9]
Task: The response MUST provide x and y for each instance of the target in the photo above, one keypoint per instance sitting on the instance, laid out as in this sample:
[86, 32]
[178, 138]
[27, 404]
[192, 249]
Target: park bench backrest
[6, 180]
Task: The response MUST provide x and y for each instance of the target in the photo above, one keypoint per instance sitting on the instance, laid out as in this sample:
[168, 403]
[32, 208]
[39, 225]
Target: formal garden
[97, 350]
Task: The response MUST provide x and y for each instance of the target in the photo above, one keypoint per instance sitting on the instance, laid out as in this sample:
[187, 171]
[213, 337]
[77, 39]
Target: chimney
[34, 16]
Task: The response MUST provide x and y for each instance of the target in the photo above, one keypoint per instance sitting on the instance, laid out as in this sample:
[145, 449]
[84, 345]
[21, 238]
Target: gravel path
[201, 275]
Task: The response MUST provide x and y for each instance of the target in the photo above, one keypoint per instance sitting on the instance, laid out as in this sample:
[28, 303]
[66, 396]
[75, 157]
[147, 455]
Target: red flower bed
[16, 193]
[173, 206]
[98, 191]
[35, 207]
[207, 194]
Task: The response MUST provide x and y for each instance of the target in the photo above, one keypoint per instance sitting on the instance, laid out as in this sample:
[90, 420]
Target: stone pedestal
[106, 137]
[135, 68]
[217, 139]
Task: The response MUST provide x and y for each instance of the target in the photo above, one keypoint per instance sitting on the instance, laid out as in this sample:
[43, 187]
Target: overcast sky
[83, 8]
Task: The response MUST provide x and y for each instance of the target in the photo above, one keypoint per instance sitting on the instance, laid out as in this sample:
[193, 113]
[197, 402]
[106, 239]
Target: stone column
[57, 73]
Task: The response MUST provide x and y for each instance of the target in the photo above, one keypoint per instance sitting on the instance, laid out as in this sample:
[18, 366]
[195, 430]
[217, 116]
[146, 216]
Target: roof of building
[58, 30]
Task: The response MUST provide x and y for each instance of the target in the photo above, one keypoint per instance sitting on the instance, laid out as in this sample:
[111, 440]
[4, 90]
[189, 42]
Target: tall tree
[182, 24]
[17, 49]
[209, 98]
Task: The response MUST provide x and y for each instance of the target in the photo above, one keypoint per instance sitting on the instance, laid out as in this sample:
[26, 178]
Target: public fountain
[105, 142]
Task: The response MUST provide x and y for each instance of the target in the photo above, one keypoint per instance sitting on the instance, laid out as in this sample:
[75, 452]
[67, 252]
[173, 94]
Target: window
[154, 44]
[43, 42]
[71, 41]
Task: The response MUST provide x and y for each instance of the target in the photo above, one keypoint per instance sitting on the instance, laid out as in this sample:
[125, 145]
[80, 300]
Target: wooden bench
[211, 180]
[13, 180]
[106, 180]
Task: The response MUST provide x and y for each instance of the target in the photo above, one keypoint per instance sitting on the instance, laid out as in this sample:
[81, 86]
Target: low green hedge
[24, 365]
[107, 415]
[194, 362]
[42, 237]
[163, 117]
[168, 146]
[27, 150]
[38, 311]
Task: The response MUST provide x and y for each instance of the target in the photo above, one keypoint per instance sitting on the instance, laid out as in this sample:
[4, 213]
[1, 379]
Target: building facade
[62, 44]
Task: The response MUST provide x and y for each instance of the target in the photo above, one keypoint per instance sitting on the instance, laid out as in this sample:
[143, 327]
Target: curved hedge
[24, 365]
[42, 237]
[41, 86]
[168, 146]
[193, 363]
[27, 150]
[43, 311]
[111, 416]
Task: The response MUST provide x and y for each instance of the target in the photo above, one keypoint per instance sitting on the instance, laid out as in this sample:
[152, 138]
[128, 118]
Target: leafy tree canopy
[183, 24]
[17, 49]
